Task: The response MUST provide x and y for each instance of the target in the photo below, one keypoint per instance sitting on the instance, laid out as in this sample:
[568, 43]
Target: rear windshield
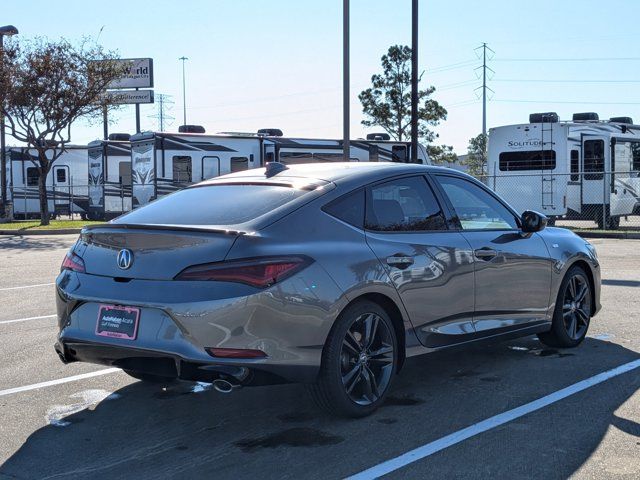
[214, 205]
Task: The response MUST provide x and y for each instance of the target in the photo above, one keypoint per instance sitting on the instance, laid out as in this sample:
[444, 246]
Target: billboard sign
[138, 73]
[128, 97]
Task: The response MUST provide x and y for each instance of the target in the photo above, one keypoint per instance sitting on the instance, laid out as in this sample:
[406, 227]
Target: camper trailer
[109, 173]
[583, 169]
[66, 182]
[165, 162]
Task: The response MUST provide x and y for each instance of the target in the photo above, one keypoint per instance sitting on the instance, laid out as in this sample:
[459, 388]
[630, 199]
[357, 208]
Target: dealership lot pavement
[109, 425]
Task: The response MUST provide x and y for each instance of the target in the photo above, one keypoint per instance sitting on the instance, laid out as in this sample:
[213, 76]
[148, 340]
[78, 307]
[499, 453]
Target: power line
[594, 59]
[547, 80]
[575, 102]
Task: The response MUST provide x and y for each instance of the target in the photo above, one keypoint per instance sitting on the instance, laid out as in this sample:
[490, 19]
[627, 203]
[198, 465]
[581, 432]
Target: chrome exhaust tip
[224, 386]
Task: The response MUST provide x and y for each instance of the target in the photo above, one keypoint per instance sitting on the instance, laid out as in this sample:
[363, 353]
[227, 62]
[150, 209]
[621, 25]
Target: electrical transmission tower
[164, 105]
[484, 87]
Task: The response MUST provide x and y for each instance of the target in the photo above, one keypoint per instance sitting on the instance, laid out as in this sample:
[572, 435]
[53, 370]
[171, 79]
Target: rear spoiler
[181, 228]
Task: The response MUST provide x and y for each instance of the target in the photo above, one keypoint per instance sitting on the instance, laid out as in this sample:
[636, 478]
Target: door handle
[400, 261]
[485, 254]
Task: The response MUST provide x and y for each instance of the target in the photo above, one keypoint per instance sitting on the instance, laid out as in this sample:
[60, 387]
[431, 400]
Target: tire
[148, 377]
[357, 372]
[572, 314]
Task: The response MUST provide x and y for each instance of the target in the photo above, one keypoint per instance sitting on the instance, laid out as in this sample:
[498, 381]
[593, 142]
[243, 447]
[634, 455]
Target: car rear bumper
[165, 364]
[180, 321]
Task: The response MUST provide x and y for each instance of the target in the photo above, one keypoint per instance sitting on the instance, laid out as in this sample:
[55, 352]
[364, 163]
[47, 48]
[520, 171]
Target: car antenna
[274, 168]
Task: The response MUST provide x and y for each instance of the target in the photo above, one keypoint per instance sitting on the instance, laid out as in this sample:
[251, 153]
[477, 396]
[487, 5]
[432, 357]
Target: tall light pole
[6, 31]
[414, 81]
[346, 143]
[184, 93]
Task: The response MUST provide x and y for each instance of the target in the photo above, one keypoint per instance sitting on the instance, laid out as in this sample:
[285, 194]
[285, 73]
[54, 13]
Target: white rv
[165, 162]
[583, 169]
[109, 173]
[66, 182]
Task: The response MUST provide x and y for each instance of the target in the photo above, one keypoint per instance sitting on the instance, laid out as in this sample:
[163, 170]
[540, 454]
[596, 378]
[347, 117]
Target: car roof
[335, 172]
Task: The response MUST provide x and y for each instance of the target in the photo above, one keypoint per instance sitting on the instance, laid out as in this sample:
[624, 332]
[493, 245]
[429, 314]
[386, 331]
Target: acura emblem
[125, 258]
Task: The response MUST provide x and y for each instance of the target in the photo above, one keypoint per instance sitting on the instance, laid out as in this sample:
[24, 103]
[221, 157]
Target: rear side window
[348, 208]
[403, 205]
[32, 176]
[214, 205]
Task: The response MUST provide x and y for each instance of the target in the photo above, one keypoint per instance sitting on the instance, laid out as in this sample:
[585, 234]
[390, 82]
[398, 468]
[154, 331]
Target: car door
[512, 269]
[430, 266]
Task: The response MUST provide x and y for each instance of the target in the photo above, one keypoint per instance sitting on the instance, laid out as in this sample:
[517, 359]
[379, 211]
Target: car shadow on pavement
[188, 430]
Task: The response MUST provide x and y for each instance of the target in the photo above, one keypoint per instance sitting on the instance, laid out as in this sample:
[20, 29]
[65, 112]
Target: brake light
[257, 272]
[72, 262]
[235, 353]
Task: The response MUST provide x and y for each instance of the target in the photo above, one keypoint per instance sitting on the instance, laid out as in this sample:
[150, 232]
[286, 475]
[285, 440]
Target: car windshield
[214, 205]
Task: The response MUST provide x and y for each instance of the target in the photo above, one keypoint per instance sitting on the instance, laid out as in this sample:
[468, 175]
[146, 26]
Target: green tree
[477, 155]
[441, 154]
[47, 86]
[387, 104]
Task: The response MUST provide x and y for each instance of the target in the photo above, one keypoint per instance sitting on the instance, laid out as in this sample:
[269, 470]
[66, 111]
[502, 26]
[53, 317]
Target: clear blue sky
[277, 63]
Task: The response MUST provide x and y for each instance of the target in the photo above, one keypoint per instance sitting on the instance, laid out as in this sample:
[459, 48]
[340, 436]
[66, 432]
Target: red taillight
[72, 262]
[257, 272]
[235, 353]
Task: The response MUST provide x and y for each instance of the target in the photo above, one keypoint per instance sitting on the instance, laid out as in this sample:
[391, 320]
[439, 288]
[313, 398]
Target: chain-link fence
[577, 200]
[71, 201]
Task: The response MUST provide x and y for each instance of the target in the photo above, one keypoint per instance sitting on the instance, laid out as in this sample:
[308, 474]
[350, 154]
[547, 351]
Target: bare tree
[47, 87]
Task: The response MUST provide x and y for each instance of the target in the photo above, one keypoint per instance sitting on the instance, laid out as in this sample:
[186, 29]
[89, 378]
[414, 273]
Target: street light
[184, 93]
[6, 31]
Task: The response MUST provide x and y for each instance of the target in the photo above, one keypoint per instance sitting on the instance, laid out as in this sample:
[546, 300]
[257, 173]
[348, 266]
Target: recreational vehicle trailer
[66, 182]
[165, 162]
[583, 169]
[109, 177]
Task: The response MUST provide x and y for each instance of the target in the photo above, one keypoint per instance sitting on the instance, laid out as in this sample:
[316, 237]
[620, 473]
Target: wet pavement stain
[387, 421]
[490, 379]
[548, 352]
[296, 417]
[465, 374]
[293, 437]
[182, 447]
[404, 401]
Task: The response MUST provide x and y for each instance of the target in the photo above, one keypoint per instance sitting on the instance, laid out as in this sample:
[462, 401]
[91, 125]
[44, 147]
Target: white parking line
[25, 319]
[490, 423]
[26, 286]
[59, 381]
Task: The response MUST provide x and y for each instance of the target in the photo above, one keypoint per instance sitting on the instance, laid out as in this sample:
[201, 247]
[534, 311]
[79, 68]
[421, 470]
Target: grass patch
[53, 225]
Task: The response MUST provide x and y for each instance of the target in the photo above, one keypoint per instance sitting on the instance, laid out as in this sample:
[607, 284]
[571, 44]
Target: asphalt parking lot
[84, 421]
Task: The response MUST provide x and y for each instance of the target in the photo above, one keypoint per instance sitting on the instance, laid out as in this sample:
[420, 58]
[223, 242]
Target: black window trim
[456, 225]
[368, 200]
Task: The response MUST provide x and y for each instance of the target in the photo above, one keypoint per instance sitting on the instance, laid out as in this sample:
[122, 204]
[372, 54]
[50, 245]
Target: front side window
[476, 208]
[593, 159]
[182, 169]
[403, 205]
[527, 160]
[32, 176]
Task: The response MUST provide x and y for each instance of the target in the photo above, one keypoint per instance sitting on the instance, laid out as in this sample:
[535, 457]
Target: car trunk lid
[157, 252]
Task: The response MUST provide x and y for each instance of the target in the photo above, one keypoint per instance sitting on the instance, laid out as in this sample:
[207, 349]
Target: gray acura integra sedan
[326, 274]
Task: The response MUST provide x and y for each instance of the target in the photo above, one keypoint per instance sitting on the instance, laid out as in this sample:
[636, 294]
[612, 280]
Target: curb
[619, 235]
[22, 232]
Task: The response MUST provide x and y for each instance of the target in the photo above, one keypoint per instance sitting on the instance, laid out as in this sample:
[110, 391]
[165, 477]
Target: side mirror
[533, 221]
